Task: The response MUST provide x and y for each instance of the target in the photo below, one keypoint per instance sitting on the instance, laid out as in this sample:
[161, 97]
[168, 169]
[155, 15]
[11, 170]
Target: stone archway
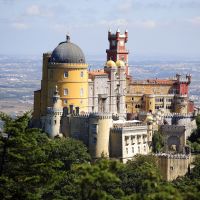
[173, 143]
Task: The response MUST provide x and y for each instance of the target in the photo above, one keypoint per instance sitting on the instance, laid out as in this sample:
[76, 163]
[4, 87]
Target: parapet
[178, 115]
[101, 115]
[96, 115]
[173, 156]
[51, 110]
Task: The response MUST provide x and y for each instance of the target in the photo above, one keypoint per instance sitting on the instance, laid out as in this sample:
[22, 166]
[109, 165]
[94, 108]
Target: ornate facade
[99, 107]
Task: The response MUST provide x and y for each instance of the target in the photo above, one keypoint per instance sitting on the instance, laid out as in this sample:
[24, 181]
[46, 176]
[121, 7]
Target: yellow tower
[150, 103]
[67, 69]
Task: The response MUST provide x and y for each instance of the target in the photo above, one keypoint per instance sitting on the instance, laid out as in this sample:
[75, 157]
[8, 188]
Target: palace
[107, 109]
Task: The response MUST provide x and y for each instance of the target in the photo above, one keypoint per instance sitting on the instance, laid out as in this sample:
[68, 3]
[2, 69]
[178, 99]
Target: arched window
[66, 74]
[81, 92]
[66, 92]
[81, 74]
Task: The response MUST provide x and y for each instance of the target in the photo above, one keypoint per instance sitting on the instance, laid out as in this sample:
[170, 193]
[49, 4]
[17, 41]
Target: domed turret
[110, 63]
[67, 52]
[120, 63]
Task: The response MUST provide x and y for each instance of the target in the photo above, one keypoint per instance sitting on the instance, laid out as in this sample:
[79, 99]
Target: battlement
[84, 115]
[71, 65]
[175, 128]
[93, 115]
[118, 35]
[47, 54]
[178, 115]
[127, 124]
[51, 110]
[173, 156]
[101, 115]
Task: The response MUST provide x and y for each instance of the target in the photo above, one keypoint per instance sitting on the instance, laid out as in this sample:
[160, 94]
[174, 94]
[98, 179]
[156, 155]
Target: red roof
[96, 73]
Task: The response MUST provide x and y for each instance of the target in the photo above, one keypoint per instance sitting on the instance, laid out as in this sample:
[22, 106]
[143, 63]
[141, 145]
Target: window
[65, 92]
[121, 42]
[66, 74]
[127, 150]
[113, 42]
[132, 149]
[81, 74]
[94, 140]
[144, 148]
[133, 139]
[81, 92]
[94, 128]
[138, 149]
[126, 140]
[65, 101]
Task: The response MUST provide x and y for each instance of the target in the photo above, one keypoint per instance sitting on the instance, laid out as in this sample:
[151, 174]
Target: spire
[67, 37]
[118, 31]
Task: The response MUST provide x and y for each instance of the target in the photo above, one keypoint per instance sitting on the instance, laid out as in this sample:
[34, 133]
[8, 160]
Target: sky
[157, 28]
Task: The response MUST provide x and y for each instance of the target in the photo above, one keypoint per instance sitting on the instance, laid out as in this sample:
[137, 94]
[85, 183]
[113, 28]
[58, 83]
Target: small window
[65, 92]
[94, 140]
[132, 149]
[81, 92]
[81, 74]
[127, 150]
[65, 101]
[138, 149]
[113, 43]
[66, 74]
[144, 148]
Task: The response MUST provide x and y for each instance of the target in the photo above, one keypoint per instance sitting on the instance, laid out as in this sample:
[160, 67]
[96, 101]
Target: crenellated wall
[173, 165]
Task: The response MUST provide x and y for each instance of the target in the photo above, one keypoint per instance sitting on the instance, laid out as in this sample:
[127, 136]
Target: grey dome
[67, 52]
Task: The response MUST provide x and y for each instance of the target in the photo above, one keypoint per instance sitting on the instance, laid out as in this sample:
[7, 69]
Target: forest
[33, 167]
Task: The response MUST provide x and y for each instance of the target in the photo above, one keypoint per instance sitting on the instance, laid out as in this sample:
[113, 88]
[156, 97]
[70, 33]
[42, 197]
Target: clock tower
[117, 49]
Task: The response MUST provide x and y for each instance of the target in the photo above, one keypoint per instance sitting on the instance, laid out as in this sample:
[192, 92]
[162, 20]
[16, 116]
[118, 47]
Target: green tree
[32, 165]
[140, 175]
[157, 142]
[194, 139]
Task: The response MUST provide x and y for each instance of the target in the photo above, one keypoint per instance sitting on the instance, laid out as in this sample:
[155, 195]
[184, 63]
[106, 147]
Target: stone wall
[173, 166]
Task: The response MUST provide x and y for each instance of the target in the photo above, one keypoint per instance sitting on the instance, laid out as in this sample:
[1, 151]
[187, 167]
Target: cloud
[19, 25]
[36, 10]
[129, 5]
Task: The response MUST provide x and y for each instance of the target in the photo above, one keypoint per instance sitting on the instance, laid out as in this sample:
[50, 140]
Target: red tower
[117, 49]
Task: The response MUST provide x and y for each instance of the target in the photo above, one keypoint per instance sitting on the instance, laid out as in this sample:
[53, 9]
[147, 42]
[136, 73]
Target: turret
[117, 48]
[54, 114]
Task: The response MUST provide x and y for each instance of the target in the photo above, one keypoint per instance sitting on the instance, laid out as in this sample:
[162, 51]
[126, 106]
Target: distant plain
[20, 76]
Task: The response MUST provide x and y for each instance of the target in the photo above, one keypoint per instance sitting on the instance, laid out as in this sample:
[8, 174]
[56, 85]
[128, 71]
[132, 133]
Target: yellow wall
[150, 103]
[132, 101]
[149, 89]
[74, 83]
[136, 96]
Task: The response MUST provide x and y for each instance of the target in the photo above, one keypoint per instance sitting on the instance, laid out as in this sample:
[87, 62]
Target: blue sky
[156, 27]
